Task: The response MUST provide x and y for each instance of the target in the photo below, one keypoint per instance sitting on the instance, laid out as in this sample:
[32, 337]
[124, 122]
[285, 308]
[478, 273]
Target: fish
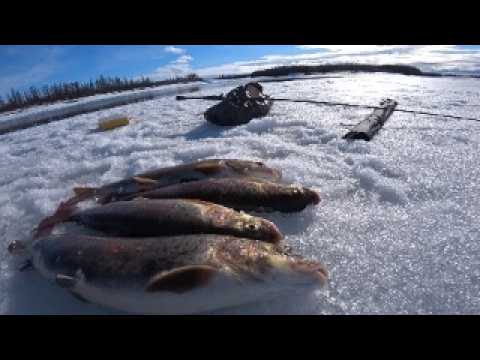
[165, 217]
[212, 168]
[241, 194]
[173, 275]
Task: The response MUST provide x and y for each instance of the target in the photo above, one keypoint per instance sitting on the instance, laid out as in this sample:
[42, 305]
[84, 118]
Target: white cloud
[184, 59]
[349, 48]
[370, 49]
[175, 50]
[181, 66]
[447, 58]
[176, 68]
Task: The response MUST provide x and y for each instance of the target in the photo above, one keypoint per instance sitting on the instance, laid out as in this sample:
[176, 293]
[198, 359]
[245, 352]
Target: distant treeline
[238, 76]
[74, 90]
[315, 69]
[329, 68]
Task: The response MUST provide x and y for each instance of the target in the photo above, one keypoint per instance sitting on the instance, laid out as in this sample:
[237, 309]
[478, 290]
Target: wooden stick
[368, 128]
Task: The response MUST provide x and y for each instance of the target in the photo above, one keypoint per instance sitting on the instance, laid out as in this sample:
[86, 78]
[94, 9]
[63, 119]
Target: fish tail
[84, 192]
[17, 247]
[63, 212]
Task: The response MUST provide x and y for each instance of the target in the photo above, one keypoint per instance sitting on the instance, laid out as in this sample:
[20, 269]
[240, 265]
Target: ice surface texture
[397, 226]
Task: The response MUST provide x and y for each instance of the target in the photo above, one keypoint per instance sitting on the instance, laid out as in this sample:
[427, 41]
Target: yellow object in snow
[112, 123]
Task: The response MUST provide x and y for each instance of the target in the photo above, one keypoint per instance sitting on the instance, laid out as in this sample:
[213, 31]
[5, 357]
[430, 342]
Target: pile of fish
[177, 240]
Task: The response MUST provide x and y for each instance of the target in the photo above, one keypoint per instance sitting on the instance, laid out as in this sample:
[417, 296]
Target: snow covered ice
[397, 226]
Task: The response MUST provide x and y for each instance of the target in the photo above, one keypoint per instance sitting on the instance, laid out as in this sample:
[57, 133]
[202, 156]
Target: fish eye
[252, 227]
[260, 163]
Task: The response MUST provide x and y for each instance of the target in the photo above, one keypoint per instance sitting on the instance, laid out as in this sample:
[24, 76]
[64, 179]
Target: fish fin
[81, 194]
[182, 279]
[138, 198]
[84, 192]
[69, 282]
[75, 200]
[144, 180]
[208, 168]
[145, 183]
[65, 281]
[63, 212]
[202, 202]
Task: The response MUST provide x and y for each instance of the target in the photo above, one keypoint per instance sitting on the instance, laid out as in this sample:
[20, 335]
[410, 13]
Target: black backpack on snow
[239, 106]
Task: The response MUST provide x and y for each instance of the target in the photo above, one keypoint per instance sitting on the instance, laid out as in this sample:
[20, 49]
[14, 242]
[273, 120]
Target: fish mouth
[315, 197]
[277, 238]
[319, 276]
[272, 174]
[276, 173]
[321, 273]
[274, 234]
[316, 273]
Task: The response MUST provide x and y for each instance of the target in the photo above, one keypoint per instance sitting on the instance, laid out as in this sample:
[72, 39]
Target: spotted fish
[165, 217]
[241, 194]
[213, 168]
[172, 275]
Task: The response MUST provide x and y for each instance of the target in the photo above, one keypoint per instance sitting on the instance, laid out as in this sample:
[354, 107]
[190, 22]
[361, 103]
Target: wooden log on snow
[367, 128]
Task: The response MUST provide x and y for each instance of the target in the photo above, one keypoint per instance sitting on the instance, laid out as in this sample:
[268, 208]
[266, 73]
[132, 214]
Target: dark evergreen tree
[15, 98]
[73, 90]
[34, 94]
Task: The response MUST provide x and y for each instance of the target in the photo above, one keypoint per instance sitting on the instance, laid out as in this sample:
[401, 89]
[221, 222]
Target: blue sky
[23, 66]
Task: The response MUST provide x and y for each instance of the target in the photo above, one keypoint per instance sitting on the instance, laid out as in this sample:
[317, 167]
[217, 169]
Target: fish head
[296, 270]
[298, 197]
[59, 254]
[258, 228]
[254, 169]
[270, 264]
[310, 195]
[45, 255]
